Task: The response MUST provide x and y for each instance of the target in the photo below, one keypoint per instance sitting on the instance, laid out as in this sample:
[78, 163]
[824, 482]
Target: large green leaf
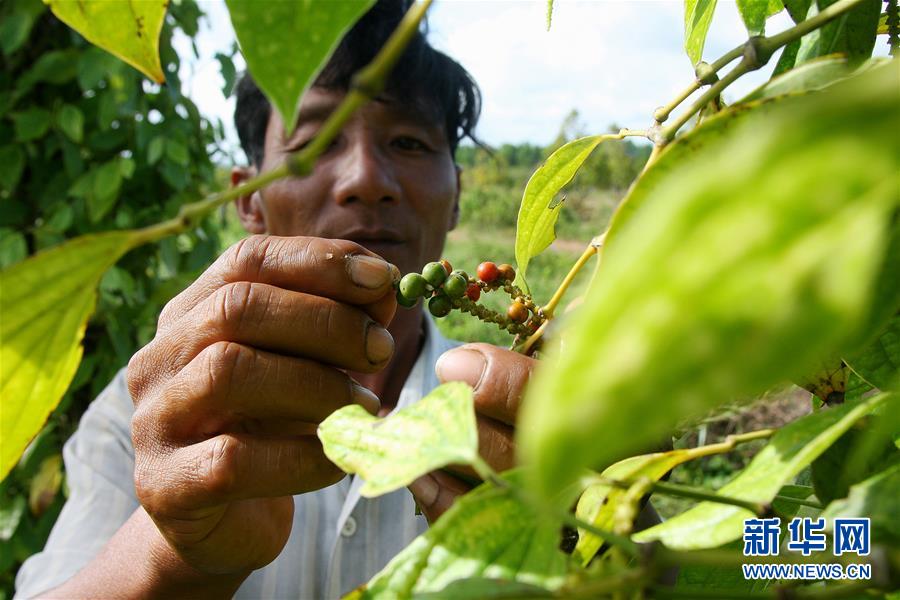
[735, 270]
[390, 453]
[876, 498]
[539, 209]
[813, 75]
[128, 29]
[285, 44]
[879, 362]
[697, 17]
[755, 12]
[489, 533]
[45, 302]
[599, 502]
[709, 524]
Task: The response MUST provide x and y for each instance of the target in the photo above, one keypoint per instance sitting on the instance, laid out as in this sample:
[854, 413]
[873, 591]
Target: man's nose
[365, 175]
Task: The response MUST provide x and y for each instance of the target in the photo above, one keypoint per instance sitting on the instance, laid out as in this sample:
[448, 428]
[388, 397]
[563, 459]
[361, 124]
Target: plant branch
[366, 84]
[756, 52]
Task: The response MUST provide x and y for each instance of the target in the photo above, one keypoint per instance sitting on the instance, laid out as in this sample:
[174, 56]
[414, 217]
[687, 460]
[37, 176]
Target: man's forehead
[319, 102]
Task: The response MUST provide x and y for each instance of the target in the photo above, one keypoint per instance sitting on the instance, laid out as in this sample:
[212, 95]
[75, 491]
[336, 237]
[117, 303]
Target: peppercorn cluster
[446, 289]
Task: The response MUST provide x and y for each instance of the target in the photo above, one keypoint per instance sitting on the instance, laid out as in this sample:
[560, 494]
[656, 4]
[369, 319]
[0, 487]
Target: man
[226, 490]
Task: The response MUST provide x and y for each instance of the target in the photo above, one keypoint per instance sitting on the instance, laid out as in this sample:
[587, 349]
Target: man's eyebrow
[315, 112]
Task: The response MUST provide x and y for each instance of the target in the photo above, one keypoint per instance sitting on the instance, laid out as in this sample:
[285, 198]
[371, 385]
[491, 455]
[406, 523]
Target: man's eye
[410, 143]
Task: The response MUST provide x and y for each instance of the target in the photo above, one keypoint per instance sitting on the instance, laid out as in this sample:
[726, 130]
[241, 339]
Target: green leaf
[797, 9]
[126, 167]
[709, 525]
[70, 120]
[45, 304]
[813, 75]
[155, 150]
[282, 68]
[538, 212]
[177, 153]
[45, 485]
[875, 498]
[482, 588]
[755, 12]
[14, 31]
[128, 29]
[879, 362]
[11, 510]
[13, 247]
[392, 452]
[94, 65]
[720, 278]
[31, 124]
[549, 16]
[488, 533]
[862, 451]
[598, 503]
[852, 34]
[697, 17]
[105, 190]
[12, 162]
[787, 59]
[228, 72]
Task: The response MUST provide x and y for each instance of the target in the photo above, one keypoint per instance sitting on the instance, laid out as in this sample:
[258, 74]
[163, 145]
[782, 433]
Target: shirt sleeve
[99, 461]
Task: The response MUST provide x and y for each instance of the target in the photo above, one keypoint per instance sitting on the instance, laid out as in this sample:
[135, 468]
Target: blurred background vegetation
[87, 144]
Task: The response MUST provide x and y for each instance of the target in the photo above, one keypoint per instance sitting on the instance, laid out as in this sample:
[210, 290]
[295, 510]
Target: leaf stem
[589, 252]
[683, 491]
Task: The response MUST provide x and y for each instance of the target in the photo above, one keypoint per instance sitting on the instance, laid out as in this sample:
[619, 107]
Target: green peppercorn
[455, 286]
[434, 273]
[440, 305]
[405, 302]
[413, 286]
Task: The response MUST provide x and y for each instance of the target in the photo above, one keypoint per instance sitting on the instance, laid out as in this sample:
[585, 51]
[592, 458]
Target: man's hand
[498, 377]
[245, 363]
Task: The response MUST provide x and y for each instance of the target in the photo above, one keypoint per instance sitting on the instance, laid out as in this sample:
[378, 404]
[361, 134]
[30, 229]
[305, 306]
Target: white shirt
[339, 540]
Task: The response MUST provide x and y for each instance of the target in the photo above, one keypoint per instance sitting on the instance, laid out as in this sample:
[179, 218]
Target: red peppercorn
[517, 312]
[473, 292]
[507, 272]
[446, 264]
[487, 272]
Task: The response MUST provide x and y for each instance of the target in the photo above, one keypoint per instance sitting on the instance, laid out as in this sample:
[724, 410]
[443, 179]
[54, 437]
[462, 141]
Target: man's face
[388, 182]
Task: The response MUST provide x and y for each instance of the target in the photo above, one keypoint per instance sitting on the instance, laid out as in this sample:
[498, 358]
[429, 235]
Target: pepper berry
[413, 286]
[434, 273]
[455, 286]
[487, 272]
[507, 272]
[440, 306]
[517, 312]
[473, 292]
[446, 264]
[405, 301]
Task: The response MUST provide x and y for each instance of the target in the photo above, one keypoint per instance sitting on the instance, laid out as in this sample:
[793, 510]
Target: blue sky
[614, 61]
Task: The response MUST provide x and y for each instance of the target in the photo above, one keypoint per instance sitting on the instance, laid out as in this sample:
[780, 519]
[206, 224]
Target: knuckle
[231, 304]
[220, 466]
[248, 257]
[148, 487]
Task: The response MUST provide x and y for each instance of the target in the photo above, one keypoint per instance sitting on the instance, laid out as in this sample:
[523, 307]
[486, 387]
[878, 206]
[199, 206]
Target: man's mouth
[378, 241]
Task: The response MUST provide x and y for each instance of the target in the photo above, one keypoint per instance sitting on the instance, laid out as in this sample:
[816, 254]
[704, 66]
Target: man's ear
[454, 216]
[249, 207]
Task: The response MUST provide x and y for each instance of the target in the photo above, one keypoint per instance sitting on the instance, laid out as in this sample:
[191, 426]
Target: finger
[337, 269]
[232, 467]
[496, 444]
[498, 377]
[268, 318]
[436, 492]
[233, 387]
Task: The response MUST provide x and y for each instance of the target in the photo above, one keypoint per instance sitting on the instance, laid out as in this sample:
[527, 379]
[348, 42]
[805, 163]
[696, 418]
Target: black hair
[425, 78]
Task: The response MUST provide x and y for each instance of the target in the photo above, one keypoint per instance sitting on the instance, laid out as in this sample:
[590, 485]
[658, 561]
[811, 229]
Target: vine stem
[756, 52]
[366, 84]
[683, 491]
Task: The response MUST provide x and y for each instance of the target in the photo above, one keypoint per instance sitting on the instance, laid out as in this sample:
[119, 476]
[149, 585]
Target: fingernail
[369, 272]
[461, 365]
[425, 489]
[364, 397]
[379, 344]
